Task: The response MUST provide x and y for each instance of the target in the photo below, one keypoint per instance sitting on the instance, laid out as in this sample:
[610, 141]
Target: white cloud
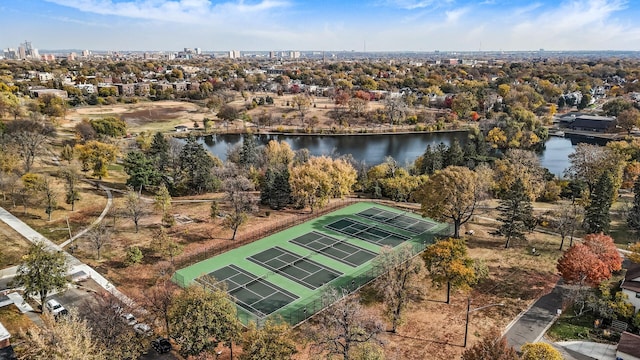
[185, 11]
[415, 4]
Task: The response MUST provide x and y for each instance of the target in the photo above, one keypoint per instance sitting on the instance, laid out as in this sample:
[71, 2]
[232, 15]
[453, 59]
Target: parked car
[142, 329]
[55, 307]
[129, 319]
[161, 345]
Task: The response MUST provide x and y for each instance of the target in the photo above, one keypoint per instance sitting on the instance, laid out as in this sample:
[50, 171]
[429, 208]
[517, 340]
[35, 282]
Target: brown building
[143, 89]
[126, 89]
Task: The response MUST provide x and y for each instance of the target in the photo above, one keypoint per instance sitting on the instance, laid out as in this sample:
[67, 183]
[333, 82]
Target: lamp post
[470, 310]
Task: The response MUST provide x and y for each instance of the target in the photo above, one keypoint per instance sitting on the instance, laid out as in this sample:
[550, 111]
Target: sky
[327, 25]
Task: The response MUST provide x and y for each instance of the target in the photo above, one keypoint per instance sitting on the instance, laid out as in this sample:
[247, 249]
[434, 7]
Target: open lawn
[14, 246]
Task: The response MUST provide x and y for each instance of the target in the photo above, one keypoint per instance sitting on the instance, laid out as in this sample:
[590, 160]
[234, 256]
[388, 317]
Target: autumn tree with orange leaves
[590, 262]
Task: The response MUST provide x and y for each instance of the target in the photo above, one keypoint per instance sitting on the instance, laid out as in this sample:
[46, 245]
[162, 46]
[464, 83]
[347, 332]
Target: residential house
[631, 285]
[161, 87]
[628, 347]
[179, 87]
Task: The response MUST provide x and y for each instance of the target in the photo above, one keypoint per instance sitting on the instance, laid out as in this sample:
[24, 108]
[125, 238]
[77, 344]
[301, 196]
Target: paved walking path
[98, 220]
[75, 265]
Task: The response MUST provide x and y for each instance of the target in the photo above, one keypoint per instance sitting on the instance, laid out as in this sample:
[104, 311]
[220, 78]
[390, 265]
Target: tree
[272, 341]
[564, 221]
[67, 154]
[30, 139]
[109, 126]
[589, 162]
[448, 263]
[242, 202]
[596, 217]
[166, 245]
[159, 151]
[341, 327]
[162, 203]
[159, 299]
[301, 103]
[516, 214]
[616, 106]
[451, 194]
[493, 346]
[278, 154]
[629, 119]
[103, 314]
[463, 104]
[395, 109]
[98, 237]
[68, 338]
[249, 152]
[539, 351]
[201, 319]
[276, 190]
[133, 256]
[97, 156]
[143, 170]
[41, 272]
[134, 206]
[228, 113]
[314, 182]
[195, 163]
[591, 262]
[400, 269]
[71, 178]
[633, 218]
[49, 195]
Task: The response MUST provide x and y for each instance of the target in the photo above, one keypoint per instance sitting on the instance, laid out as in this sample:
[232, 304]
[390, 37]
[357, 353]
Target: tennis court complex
[334, 248]
[254, 294]
[400, 221]
[295, 267]
[288, 272]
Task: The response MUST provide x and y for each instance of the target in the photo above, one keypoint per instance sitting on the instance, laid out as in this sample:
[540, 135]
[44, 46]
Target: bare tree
[341, 327]
[50, 195]
[242, 201]
[134, 206]
[31, 138]
[104, 314]
[396, 285]
[98, 237]
[158, 301]
[71, 176]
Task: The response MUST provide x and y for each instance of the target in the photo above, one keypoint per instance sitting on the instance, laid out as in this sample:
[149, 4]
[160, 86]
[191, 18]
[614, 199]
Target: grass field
[260, 260]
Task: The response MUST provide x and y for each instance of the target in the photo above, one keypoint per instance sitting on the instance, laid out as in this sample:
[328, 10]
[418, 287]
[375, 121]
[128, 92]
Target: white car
[55, 307]
[142, 329]
[129, 319]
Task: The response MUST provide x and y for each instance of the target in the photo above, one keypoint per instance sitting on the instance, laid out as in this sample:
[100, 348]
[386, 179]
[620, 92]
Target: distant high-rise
[234, 54]
[198, 51]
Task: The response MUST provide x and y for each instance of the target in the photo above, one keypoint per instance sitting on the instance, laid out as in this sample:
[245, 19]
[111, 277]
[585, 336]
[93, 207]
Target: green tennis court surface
[334, 248]
[288, 272]
[254, 294]
[371, 233]
[295, 267]
[400, 221]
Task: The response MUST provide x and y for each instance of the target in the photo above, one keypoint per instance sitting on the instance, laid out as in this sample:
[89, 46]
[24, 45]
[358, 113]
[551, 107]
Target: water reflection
[373, 149]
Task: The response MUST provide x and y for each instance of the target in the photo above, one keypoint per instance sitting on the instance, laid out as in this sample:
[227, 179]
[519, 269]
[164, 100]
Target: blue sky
[332, 25]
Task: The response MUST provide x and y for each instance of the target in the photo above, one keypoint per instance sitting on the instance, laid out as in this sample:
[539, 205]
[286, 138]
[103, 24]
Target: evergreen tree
[267, 187]
[142, 170]
[596, 218]
[249, 153]
[195, 168]
[454, 155]
[159, 150]
[516, 214]
[281, 192]
[633, 219]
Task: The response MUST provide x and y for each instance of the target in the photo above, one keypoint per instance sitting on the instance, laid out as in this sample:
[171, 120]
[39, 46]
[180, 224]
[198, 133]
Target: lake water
[373, 149]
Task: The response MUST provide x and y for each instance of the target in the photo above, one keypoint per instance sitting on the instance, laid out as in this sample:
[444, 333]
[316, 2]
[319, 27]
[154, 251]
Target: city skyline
[377, 25]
